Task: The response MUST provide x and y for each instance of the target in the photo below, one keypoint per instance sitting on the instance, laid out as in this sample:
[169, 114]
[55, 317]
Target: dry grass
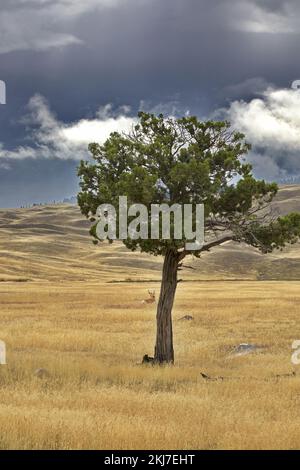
[91, 337]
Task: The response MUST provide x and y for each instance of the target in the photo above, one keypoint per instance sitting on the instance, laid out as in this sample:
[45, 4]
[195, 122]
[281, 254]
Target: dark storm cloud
[273, 5]
[186, 54]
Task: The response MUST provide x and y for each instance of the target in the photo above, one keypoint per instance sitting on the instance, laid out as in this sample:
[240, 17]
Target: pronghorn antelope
[151, 300]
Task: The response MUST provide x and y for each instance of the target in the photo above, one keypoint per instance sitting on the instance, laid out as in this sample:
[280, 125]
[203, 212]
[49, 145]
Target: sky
[77, 70]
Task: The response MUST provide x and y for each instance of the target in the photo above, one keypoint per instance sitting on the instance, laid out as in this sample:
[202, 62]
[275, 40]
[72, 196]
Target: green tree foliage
[185, 161]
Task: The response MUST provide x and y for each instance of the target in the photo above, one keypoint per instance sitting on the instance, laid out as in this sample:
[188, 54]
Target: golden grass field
[91, 336]
[75, 310]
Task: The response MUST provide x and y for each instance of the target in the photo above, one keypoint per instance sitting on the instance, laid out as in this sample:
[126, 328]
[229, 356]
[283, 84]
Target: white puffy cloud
[273, 120]
[271, 124]
[86, 130]
[52, 138]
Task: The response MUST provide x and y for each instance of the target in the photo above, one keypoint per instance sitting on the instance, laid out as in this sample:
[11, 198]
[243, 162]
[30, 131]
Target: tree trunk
[164, 352]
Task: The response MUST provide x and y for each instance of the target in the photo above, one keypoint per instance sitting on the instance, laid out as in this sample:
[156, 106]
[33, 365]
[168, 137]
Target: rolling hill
[52, 243]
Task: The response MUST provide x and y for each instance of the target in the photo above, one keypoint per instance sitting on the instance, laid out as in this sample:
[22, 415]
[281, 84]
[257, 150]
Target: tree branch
[207, 246]
[217, 242]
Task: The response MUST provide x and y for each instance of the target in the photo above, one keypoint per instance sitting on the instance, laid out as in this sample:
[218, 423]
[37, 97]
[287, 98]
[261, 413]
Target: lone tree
[184, 161]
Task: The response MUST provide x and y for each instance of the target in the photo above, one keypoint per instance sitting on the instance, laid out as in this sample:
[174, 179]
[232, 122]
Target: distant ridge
[52, 242]
[70, 200]
[295, 179]
[67, 200]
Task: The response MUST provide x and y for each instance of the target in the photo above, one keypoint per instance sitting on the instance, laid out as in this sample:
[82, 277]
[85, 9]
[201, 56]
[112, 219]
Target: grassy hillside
[53, 243]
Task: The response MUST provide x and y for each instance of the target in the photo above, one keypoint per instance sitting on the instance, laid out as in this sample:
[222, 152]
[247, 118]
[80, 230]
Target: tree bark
[164, 351]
